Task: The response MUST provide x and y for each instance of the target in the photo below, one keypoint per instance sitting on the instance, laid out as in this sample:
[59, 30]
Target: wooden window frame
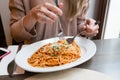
[102, 17]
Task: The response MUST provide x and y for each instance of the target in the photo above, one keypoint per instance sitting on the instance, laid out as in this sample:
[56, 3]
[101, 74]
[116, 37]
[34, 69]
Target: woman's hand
[91, 28]
[46, 13]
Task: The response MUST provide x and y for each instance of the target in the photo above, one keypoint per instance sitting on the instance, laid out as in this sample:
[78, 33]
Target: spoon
[70, 40]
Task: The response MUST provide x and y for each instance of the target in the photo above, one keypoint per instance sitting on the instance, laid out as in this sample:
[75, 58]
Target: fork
[60, 35]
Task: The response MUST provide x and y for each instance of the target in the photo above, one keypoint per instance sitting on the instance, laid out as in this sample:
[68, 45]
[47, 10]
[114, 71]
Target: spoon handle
[77, 35]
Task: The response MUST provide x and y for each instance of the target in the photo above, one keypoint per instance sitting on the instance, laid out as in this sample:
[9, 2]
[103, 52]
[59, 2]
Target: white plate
[87, 46]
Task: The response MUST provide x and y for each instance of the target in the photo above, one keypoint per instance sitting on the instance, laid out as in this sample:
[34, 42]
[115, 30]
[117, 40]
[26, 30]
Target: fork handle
[59, 18]
[56, 2]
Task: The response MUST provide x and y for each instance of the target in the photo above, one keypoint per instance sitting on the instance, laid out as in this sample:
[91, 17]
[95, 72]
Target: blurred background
[105, 11]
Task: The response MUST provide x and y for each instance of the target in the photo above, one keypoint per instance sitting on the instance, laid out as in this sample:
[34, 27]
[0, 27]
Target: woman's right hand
[46, 13]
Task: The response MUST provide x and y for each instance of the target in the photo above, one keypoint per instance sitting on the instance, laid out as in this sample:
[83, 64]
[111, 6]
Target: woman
[34, 20]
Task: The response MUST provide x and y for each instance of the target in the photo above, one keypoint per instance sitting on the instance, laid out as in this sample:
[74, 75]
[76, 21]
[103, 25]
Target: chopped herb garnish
[57, 48]
[53, 55]
[67, 43]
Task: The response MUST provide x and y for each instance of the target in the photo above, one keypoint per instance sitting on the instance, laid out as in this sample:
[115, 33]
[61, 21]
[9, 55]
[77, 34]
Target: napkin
[7, 59]
[71, 74]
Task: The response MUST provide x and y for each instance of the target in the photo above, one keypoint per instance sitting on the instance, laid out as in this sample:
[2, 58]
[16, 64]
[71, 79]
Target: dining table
[106, 60]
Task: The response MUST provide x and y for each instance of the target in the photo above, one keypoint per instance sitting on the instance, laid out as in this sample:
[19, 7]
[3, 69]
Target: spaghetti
[55, 54]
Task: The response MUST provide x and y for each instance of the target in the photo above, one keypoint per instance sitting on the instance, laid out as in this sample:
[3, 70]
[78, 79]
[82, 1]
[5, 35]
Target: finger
[92, 28]
[91, 34]
[89, 29]
[48, 13]
[82, 28]
[44, 18]
[60, 5]
[53, 8]
[96, 27]
[90, 21]
[86, 34]
[83, 33]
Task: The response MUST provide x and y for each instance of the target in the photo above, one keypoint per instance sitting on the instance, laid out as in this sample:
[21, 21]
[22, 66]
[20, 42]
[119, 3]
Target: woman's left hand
[90, 28]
